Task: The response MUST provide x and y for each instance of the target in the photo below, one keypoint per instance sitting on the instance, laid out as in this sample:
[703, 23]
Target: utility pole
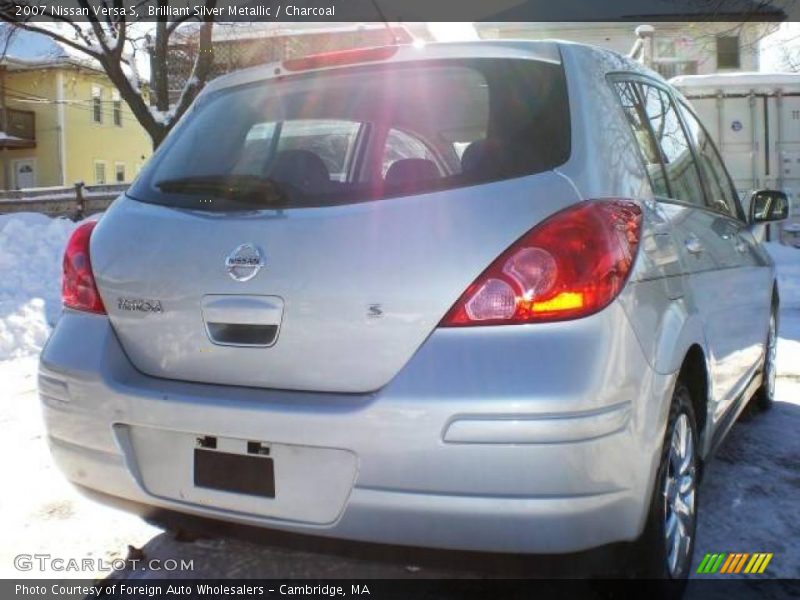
[643, 46]
[4, 125]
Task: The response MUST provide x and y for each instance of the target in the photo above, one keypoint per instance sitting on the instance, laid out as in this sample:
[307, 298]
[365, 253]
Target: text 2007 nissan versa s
[488, 296]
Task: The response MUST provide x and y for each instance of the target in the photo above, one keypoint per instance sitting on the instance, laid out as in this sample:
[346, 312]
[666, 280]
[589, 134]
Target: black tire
[765, 396]
[652, 558]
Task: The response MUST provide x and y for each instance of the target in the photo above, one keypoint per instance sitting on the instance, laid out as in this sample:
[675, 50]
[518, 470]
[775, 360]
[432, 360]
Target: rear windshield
[362, 134]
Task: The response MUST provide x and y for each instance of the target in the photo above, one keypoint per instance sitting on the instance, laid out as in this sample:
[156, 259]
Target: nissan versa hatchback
[485, 296]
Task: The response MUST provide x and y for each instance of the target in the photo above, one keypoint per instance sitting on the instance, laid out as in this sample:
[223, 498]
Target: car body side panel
[653, 300]
[604, 163]
[704, 295]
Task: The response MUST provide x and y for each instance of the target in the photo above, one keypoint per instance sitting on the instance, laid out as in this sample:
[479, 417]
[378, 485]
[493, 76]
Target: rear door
[706, 240]
[752, 273]
[243, 257]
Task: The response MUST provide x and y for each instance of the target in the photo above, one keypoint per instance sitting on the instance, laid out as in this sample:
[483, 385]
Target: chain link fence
[75, 202]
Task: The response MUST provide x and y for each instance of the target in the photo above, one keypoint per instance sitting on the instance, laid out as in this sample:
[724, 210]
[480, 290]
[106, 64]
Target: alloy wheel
[770, 372]
[680, 497]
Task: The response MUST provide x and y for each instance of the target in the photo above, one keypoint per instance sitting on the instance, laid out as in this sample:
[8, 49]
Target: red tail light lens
[78, 288]
[569, 266]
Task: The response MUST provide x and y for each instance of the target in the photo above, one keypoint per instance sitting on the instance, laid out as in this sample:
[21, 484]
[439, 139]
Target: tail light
[569, 266]
[78, 288]
[339, 58]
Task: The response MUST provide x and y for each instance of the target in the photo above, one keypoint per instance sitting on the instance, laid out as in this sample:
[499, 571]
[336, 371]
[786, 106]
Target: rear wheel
[667, 544]
[766, 393]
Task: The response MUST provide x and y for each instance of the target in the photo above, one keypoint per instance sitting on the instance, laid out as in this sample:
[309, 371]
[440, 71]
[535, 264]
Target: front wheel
[765, 395]
[667, 544]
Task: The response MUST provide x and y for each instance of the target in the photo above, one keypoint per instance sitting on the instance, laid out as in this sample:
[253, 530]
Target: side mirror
[768, 205]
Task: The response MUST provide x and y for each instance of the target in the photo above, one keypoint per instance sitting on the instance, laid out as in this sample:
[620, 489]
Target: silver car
[495, 296]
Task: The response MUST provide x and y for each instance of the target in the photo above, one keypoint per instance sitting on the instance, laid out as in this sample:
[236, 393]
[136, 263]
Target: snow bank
[31, 246]
[787, 261]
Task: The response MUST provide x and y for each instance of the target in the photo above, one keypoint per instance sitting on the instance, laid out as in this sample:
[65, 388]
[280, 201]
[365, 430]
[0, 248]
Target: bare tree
[116, 44]
[749, 33]
[788, 51]
[790, 58]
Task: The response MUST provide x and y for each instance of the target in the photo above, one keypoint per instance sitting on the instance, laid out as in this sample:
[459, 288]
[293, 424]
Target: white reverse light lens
[494, 300]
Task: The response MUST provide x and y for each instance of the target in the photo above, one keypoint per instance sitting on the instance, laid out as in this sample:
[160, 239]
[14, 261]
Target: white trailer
[755, 120]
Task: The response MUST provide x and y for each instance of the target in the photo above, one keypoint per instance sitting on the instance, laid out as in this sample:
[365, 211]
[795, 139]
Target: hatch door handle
[234, 320]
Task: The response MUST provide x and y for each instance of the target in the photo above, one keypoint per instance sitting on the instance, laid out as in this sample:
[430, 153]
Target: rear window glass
[361, 134]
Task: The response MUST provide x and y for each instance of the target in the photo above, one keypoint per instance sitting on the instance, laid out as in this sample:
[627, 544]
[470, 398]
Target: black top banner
[400, 11]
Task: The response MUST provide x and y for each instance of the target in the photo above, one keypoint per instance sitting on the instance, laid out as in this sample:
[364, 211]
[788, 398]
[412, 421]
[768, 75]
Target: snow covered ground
[750, 500]
[30, 250]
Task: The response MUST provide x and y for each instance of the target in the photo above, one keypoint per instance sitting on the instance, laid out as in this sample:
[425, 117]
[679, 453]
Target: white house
[695, 48]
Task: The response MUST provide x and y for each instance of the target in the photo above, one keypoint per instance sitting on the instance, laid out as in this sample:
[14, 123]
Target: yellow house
[62, 120]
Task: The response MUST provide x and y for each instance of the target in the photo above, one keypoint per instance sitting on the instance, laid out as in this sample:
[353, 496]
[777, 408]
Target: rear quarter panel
[606, 163]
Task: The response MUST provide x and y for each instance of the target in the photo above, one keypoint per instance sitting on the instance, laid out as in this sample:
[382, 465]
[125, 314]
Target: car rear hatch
[310, 233]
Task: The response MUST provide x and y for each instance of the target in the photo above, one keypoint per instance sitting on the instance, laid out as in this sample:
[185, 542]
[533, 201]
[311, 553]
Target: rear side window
[403, 146]
[721, 195]
[676, 152]
[333, 141]
[363, 133]
[637, 119]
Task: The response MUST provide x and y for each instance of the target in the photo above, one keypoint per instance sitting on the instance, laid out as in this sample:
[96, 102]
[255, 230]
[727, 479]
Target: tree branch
[121, 33]
[171, 27]
[57, 37]
[202, 66]
[99, 34]
[116, 42]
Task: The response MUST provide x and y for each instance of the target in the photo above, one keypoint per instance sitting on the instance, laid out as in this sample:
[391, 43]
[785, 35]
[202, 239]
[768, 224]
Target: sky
[786, 37]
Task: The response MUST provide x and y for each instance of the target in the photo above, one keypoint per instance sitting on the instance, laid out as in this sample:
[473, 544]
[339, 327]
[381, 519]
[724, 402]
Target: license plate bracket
[237, 473]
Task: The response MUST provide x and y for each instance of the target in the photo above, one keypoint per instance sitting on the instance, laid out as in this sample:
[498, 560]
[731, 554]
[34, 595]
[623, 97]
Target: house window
[117, 108]
[673, 68]
[665, 49]
[97, 104]
[100, 172]
[728, 52]
[119, 172]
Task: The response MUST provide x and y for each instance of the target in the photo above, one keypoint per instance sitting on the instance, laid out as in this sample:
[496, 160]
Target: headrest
[408, 171]
[302, 168]
[473, 156]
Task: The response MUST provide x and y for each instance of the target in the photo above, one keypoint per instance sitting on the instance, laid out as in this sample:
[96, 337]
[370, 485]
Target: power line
[32, 95]
[86, 106]
[89, 110]
[44, 99]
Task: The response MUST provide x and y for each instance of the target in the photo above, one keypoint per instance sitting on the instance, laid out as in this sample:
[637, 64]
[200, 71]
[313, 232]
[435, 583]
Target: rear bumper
[540, 439]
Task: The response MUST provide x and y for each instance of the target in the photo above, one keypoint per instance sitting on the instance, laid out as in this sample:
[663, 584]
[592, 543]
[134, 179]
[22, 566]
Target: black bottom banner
[427, 589]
